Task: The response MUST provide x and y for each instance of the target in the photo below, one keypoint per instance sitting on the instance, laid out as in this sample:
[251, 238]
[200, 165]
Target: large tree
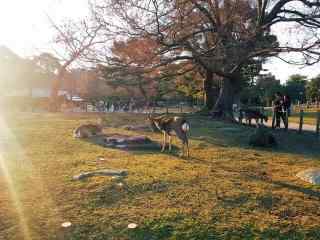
[136, 66]
[220, 36]
[130, 66]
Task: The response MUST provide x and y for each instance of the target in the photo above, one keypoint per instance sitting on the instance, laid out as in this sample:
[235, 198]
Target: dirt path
[295, 126]
[292, 126]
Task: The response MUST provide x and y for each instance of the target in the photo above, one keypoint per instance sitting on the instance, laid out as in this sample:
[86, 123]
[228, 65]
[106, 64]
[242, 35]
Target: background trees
[75, 41]
[221, 37]
[18, 74]
[296, 87]
[313, 89]
[192, 47]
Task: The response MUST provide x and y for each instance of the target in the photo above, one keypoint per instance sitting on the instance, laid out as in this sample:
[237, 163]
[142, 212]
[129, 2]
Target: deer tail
[185, 126]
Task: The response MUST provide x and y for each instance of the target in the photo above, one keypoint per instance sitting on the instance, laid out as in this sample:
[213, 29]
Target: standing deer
[167, 125]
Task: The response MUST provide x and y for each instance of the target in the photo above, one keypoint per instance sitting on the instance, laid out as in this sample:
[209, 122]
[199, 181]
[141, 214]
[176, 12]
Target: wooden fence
[300, 111]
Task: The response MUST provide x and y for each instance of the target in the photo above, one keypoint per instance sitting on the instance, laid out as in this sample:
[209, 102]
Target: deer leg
[164, 141]
[187, 145]
[170, 141]
[182, 150]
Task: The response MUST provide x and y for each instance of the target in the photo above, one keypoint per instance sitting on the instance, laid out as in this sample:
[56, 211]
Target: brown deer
[88, 130]
[249, 114]
[167, 125]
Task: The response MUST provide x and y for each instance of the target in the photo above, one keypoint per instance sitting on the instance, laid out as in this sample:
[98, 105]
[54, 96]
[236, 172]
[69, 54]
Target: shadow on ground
[151, 147]
[220, 134]
[236, 135]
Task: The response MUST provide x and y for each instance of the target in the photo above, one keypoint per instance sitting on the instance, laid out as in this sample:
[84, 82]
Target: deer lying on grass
[87, 131]
[167, 124]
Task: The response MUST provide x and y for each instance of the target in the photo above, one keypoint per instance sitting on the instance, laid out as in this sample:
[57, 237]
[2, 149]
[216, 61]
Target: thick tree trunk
[226, 99]
[208, 89]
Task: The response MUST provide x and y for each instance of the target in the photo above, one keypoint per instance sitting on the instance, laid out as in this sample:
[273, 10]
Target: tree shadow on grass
[186, 227]
[151, 147]
[235, 135]
[280, 184]
[113, 193]
[226, 135]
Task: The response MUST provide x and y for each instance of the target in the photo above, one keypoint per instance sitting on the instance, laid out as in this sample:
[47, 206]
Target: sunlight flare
[19, 174]
[5, 137]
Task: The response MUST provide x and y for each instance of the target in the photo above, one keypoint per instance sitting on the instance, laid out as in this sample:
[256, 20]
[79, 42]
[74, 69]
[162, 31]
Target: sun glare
[5, 170]
[19, 174]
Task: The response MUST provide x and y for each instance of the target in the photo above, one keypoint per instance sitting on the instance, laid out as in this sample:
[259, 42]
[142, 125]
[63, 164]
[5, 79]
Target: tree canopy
[220, 36]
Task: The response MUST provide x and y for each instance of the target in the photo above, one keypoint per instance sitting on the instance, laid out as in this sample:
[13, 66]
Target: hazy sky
[24, 27]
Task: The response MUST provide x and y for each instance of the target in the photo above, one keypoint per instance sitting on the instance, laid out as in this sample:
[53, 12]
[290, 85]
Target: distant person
[287, 104]
[278, 110]
[112, 108]
[107, 106]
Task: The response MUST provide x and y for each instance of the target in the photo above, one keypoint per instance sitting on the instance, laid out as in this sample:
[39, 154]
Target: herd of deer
[168, 125]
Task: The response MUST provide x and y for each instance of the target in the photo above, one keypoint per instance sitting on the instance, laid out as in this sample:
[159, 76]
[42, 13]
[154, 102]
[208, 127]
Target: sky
[25, 29]
[25, 26]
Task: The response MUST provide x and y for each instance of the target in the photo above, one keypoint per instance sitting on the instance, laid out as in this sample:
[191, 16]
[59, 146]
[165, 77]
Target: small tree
[75, 42]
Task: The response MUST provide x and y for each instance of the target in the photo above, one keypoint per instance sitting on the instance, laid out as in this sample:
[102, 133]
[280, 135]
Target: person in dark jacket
[287, 104]
[278, 110]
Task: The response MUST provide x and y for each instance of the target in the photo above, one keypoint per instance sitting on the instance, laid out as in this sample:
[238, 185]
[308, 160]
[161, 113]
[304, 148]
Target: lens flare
[5, 170]
[24, 183]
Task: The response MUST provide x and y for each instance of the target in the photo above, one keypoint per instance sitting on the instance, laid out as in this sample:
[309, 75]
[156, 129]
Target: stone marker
[66, 224]
[311, 175]
[103, 172]
[132, 225]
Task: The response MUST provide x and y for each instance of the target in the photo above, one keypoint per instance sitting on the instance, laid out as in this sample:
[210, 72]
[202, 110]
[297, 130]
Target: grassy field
[226, 190]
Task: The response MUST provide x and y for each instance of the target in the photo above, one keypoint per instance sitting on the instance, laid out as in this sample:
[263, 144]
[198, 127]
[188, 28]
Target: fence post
[287, 119]
[301, 121]
[273, 115]
[167, 108]
[318, 123]
[261, 111]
